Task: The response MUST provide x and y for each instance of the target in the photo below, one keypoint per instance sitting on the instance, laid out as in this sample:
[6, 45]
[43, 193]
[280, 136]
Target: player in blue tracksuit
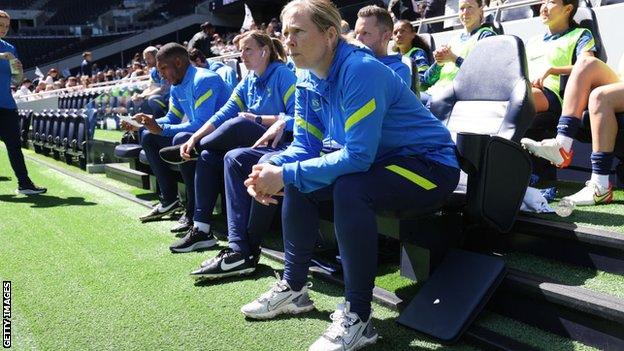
[11, 69]
[256, 104]
[246, 226]
[227, 73]
[196, 94]
[395, 155]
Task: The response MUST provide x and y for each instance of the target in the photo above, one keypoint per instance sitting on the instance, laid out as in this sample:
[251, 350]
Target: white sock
[601, 179]
[565, 141]
[203, 227]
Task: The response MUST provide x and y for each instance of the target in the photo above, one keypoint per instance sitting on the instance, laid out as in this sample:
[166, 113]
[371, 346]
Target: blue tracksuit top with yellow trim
[396, 64]
[269, 94]
[364, 106]
[200, 94]
[224, 71]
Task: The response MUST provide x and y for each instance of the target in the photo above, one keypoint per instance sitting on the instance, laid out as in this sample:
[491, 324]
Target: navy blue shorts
[554, 104]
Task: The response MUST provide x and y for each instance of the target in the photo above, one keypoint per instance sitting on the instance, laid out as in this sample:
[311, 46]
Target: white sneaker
[591, 194]
[279, 300]
[347, 332]
[549, 149]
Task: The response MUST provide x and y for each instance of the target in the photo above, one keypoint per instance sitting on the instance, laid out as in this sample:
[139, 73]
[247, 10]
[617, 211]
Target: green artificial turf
[609, 217]
[608, 283]
[88, 276]
[108, 135]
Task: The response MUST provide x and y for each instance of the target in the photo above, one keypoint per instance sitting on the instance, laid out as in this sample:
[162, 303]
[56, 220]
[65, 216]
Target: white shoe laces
[342, 320]
[279, 286]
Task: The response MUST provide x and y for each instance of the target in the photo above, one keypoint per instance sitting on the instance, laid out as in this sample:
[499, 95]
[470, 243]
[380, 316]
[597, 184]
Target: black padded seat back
[586, 18]
[71, 130]
[493, 23]
[81, 131]
[491, 94]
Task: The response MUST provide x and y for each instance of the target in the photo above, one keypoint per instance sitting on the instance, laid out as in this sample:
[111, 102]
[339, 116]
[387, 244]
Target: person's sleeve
[585, 43]
[404, 73]
[485, 34]
[421, 62]
[308, 133]
[234, 105]
[431, 75]
[365, 108]
[173, 116]
[203, 105]
[230, 77]
[287, 88]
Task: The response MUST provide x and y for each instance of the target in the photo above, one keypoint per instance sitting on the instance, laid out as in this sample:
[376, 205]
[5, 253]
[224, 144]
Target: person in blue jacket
[227, 73]
[395, 155]
[196, 94]
[374, 29]
[256, 103]
[11, 69]
[247, 220]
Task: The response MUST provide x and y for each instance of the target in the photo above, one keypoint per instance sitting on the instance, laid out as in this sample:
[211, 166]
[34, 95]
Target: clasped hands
[444, 54]
[265, 182]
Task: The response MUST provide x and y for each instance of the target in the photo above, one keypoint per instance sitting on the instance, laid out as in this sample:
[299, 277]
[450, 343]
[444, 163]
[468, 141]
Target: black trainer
[171, 154]
[30, 189]
[159, 211]
[194, 240]
[226, 264]
[183, 225]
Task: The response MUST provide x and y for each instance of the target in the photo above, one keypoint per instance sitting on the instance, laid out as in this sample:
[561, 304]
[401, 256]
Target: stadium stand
[165, 10]
[41, 50]
[72, 11]
[16, 4]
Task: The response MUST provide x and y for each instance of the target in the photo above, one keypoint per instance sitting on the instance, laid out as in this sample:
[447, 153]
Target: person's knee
[209, 157]
[598, 100]
[584, 62]
[232, 158]
[234, 121]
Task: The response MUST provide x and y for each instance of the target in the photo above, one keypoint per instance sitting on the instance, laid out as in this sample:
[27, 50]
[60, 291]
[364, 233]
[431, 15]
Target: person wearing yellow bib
[449, 58]
[594, 86]
[550, 56]
[412, 47]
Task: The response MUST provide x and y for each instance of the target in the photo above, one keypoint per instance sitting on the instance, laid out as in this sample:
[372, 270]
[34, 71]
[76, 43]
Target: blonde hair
[4, 14]
[324, 14]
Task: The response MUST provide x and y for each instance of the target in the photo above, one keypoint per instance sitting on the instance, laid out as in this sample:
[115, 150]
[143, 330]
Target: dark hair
[571, 22]
[275, 46]
[195, 54]
[417, 42]
[172, 50]
[381, 15]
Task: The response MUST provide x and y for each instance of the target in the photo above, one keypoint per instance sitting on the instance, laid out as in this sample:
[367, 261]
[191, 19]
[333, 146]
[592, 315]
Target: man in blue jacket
[196, 94]
[11, 69]
[374, 29]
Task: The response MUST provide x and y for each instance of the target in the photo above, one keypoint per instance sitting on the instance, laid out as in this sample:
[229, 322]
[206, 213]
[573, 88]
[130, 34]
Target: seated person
[549, 57]
[396, 156]
[258, 100]
[449, 58]
[157, 94]
[374, 29]
[196, 94]
[414, 48]
[247, 220]
[593, 85]
[227, 73]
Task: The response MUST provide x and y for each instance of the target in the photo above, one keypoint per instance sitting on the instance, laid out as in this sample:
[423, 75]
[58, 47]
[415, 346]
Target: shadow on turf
[4, 179]
[45, 201]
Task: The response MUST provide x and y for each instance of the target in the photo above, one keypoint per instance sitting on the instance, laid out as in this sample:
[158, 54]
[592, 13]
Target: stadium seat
[514, 14]
[488, 120]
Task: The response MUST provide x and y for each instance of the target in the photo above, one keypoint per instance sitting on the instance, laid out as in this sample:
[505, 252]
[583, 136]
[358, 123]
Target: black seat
[586, 18]
[128, 150]
[488, 118]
